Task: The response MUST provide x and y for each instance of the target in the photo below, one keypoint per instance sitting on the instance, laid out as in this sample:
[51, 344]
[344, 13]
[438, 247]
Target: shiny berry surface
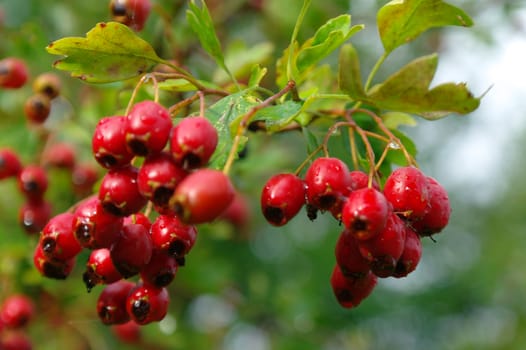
[13, 73]
[119, 193]
[109, 142]
[282, 198]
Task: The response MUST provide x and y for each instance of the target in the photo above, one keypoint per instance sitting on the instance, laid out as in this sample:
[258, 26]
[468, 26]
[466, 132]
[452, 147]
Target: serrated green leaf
[393, 120]
[350, 78]
[277, 116]
[401, 21]
[109, 52]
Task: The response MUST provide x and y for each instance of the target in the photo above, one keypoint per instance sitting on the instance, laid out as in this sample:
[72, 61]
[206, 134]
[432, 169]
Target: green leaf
[350, 79]
[408, 91]
[401, 21]
[109, 52]
[393, 120]
[201, 23]
[396, 156]
[176, 85]
[278, 116]
[256, 75]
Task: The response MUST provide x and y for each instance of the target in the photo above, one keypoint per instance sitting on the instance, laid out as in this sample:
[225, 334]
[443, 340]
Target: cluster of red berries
[16, 312]
[155, 166]
[382, 228]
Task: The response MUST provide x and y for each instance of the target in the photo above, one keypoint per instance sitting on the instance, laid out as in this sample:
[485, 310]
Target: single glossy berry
[411, 255]
[59, 155]
[361, 180]
[16, 311]
[349, 258]
[33, 215]
[365, 213]
[119, 193]
[238, 212]
[129, 332]
[202, 196]
[193, 141]
[18, 340]
[146, 303]
[138, 218]
[10, 165]
[328, 183]
[282, 198]
[384, 249]
[13, 73]
[148, 127]
[132, 13]
[160, 270]
[57, 238]
[406, 189]
[33, 182]
[100, 269]
[173, 236]
[111, 304]
[83, 178]
[48, 84]
[37, 108]
[52, 268]
[109, 142]
[351, 291]
[437, 217]
[94, 227]
[132, 250]
[158, 177]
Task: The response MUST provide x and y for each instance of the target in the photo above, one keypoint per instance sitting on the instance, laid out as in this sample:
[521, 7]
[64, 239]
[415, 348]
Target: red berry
[83, 178]
[109, 142]
[132, 250]
[10, 165]
[37, 108]
[33, 215]
[100, 269]
[202, 196]
[351, 291]
[148, 128]
[129, 332]
[111, 304]
[132, 13]
[161, 269]
[361, 180]
[365, 213]
[57, 239]
[406, 189]
[16, 311]
[170, 234]
[60, 155]
[437, 217]
[238, 212]
[48, 84]
[349, 258]
[282, 198]
[328, 183]
[193, 141]
[52, 268]
[146, 303]
[33, 182]
[118, 192]
[411, 254]
[15, 341]
[138, 218]
[13, 73]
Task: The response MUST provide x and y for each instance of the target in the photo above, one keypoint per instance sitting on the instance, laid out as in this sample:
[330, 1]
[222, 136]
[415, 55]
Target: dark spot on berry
[140, 309]
[163, 279]
[30, 186]
[312, 212]
[344, 296]
[181, 260]
[55, 271]
[326, 201]
[107, 160]
[177, 248]
[138, 147]
[162, 195]
[359, 225]
[83, 233]
[274, 215]
[112, 209]
[90, 278]
[48, 245]
[191, 161]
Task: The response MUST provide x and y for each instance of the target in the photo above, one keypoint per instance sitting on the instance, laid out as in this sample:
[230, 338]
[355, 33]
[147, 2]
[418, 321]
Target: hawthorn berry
[351, 291]
[411, 255]
[282, 198]
[13, 73]
[33, 181]
[119, 193]
[100, 269]
[34, 214]
[193, 141]
[83, 178]
[349, 258]
[10, 165]
[59, 155]
[148, 127]
[437, 217]
[170, 234]
[129, 332]
[57, 238]
[16, 311]
[48, 84]
[111, 304]
[238, 212]
[160, 270]
[361, 180]
[147, 303]
[15, 341]
[132, 250]
[132, 13]
[202, 196]
[109, 142]
[37, 108]
[52, 268]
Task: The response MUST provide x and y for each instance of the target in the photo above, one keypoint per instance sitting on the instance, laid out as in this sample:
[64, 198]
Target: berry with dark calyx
[147, 303]
[193, 141]
[158, 177]
[13, 73]
[94, 227]
[282, 198]
[384, 249]
[16, 311]
[365, 213]
[119, 193]
[33, 215]
[100, 269]
[411, 254]
[361, 180]
[83, 178]
[33, 182]
[111, 304]
[132, 13]
[202, 196]
[57, 238]
[10, 165]
[349, 258]
[161, 269]
[52, 268]
[173, 236]
[351, 291]
[328, 183]
[406, 189]
[437, 217]
[129, 332]
[37, 108]
[59, 155]
[148, 127]
[132, 250]
[109, 142]
[48, 84]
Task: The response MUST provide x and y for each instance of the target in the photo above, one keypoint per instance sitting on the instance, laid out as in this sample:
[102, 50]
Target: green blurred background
[268, 288]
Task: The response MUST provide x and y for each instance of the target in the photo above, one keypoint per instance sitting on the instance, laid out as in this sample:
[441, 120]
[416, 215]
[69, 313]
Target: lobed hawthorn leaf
[401, 21]
[110, 52]
[349, 76]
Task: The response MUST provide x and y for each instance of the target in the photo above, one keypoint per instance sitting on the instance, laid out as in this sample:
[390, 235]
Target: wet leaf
[109, 52]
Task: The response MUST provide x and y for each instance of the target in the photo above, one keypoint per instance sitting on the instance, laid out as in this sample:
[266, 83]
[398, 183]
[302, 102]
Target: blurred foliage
[266, 288]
